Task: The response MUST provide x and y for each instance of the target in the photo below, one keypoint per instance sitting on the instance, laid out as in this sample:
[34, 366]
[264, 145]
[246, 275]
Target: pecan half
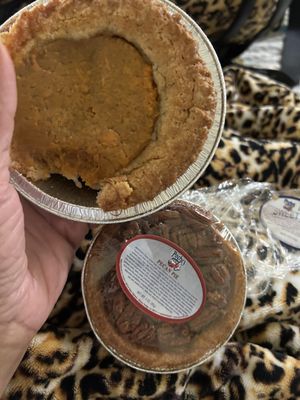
[164, 215]
[217, 299]
[118, 302]
[144, 226]
[209, 255]
[174, 336]
[220, 274]
[208, 315]
[110, 284]
[144, 333]
[164, 231]
[129, 319]
[132, 229]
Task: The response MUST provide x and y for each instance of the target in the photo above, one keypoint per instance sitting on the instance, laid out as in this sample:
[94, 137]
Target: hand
[36, 248]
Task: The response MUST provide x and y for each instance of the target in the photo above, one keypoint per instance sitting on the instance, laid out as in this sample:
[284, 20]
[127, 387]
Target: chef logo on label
[176, 261]
[288, 205]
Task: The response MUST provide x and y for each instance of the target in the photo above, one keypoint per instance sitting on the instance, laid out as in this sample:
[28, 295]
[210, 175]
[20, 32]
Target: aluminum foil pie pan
[165, 292]
[61, 197]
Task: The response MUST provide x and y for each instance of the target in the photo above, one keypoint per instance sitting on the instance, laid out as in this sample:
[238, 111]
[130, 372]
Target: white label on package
[160, 278]
[282, 218]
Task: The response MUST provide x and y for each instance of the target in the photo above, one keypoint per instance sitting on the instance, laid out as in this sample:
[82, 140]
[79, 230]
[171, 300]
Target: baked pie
[112, 94]
[136, 336]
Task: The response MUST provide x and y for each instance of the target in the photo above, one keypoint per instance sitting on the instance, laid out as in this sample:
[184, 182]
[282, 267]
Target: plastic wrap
[265, 224]
[164, 292]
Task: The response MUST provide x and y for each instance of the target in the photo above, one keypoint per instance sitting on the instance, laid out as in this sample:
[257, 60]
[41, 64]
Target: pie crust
[176, 93]
[137, 337]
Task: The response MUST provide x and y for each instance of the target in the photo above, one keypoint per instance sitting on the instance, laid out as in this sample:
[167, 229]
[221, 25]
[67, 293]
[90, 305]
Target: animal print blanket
[261, 141]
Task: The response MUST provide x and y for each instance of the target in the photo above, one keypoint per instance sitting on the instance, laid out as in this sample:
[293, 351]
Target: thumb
[8, 105]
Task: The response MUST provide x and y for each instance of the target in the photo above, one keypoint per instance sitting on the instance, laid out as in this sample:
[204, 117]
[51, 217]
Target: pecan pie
[140, 338]
[112, 94]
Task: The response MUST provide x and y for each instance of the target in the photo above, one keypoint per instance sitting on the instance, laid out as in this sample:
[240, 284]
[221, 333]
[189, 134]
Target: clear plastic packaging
[265, 224]
[164, 292]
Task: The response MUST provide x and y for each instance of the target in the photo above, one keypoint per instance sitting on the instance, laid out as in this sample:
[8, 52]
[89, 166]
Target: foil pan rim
[95, 214]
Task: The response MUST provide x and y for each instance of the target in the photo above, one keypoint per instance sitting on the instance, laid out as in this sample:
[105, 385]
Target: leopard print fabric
[262, 361]
[65, 361]
[216, 17]
[248, 147]
[258, 19]
[213, 16]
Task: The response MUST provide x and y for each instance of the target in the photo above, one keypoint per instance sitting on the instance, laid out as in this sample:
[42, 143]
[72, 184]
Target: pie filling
[87, 108]
[218, 261]
[111, 93]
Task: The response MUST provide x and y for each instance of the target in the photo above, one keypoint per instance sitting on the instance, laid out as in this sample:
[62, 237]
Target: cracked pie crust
[112, 94]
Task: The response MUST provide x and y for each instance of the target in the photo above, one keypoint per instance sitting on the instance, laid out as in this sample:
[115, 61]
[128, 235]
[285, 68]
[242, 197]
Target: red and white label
[160, 278]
